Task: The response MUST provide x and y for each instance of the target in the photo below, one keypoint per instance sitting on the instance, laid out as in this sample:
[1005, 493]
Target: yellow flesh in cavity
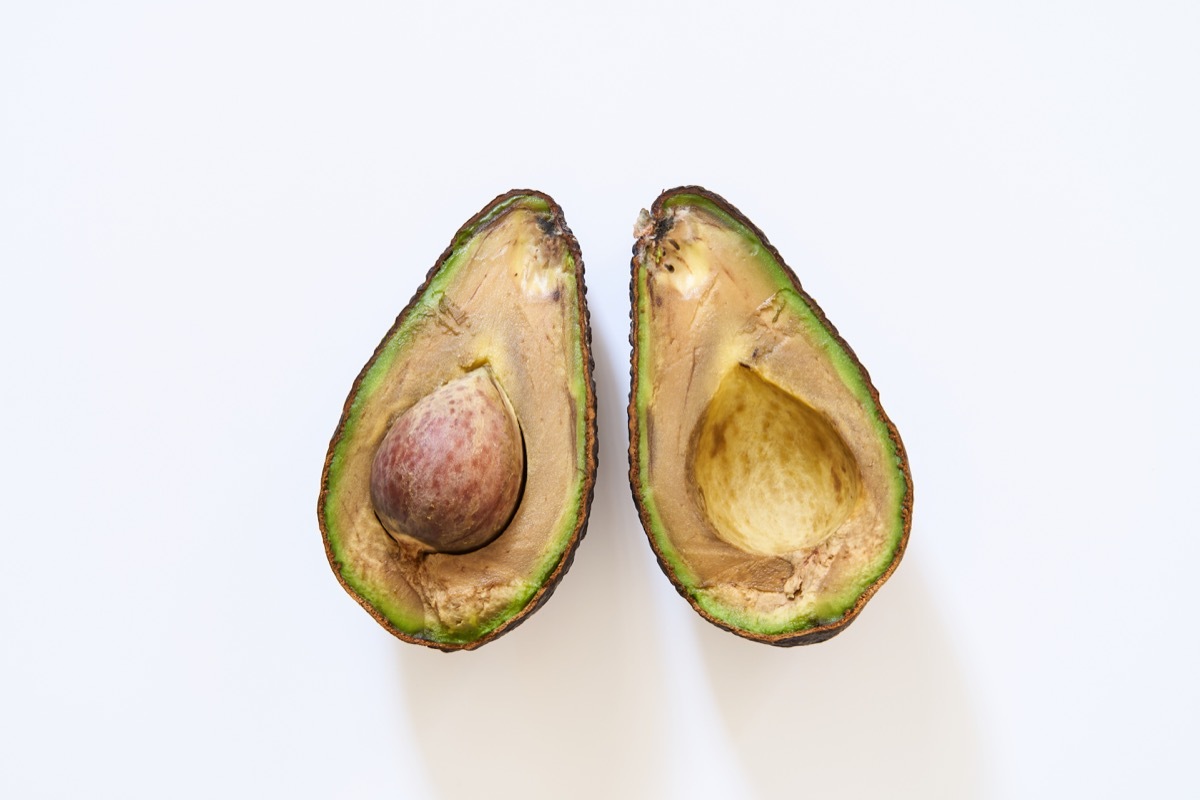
[773, 475]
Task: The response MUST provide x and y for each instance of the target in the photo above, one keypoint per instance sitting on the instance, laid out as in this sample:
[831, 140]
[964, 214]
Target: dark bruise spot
[554, 298]
[650, 428]
[674, 243]
[655, 298]
[718, 439]
[670, 267]
[547, 225]
[662, 227]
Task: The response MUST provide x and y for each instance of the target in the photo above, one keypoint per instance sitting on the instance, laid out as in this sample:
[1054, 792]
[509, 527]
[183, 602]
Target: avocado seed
[448, 473]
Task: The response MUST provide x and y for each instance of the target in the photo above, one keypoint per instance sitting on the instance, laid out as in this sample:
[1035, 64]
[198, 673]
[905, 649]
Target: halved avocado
[498, 331]
[774, 490]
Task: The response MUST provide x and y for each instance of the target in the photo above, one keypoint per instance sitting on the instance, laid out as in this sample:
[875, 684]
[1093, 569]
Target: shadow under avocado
[558, 705]
[881, 710]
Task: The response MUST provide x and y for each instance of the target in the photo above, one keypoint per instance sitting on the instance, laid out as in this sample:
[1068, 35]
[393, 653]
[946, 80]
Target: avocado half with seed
[773, 488]
[459, 479]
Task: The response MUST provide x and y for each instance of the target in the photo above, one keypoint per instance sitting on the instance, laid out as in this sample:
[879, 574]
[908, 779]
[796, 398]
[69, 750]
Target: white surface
[210, 214]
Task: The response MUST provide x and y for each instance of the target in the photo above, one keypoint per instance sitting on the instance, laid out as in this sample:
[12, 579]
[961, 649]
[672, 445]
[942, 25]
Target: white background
[211, 212]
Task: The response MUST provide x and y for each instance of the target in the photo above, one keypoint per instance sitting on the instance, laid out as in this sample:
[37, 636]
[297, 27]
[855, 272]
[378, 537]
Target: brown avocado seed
[448, 473]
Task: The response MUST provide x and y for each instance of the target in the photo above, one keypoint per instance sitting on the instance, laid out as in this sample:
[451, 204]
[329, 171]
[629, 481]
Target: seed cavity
[772, 474]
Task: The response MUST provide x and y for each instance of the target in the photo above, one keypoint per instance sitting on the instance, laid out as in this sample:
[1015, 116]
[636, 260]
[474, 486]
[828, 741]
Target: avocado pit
[448, 473]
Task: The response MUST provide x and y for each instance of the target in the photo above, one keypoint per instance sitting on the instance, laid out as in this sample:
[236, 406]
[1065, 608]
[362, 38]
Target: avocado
[458, 481]
[773, 488]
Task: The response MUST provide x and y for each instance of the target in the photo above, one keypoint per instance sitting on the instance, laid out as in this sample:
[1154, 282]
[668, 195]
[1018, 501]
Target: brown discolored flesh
[773, 488]
[448, 473]
[507, 295]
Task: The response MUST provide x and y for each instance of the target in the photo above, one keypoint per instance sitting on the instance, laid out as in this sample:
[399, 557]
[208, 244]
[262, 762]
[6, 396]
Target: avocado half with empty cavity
[459, 479]
[775, 491]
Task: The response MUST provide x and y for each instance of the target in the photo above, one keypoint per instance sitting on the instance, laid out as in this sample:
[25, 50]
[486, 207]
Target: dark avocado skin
[813, 635]
[547, 588]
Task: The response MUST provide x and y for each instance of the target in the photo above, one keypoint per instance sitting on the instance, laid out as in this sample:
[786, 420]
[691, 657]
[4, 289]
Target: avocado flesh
[773, 487]
[507, 295]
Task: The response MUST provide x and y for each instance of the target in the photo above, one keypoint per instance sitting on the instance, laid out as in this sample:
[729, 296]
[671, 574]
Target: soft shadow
[881, 710]
[557, 707]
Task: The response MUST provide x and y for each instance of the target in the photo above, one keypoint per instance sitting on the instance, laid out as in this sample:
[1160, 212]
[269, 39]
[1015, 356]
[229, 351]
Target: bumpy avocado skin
[653, 232]
[409, 625]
